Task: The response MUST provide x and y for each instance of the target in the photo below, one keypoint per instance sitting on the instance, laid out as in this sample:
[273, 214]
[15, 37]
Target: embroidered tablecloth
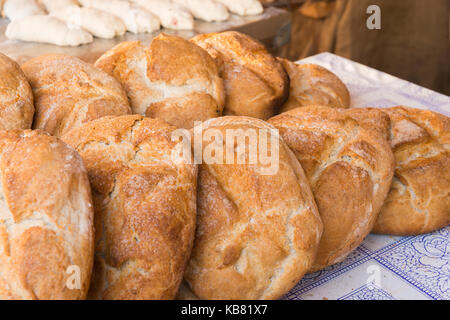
[383, 267]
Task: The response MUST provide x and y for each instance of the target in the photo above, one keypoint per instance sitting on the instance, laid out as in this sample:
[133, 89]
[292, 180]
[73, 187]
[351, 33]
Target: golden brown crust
[172, 75]
[313, 85]
[69, 92]
[255, 82]
[16, 97]
[349, 164]
[419, 199]
[144, 205]
[46, 218]
[256, 234]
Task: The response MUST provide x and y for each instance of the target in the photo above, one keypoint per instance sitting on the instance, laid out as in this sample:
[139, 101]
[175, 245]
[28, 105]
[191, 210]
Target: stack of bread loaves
[146, 192]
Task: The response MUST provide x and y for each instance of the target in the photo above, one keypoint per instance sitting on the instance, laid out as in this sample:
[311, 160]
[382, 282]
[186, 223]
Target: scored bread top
[419, 199]
[255, 82]
[16, 97]
[311, 84]
[69, 92]
[46, 219]
[172, 79]
[349, 164]
[257, 234]
[145, 206]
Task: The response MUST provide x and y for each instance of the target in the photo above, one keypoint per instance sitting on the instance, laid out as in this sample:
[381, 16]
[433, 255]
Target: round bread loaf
[349, 164]
[69, 92]
[145, 206]
[313, 85]
[256, 84]
[419, 200]
[46, 219]
[257, 230]
[173, 79]
[16, 97]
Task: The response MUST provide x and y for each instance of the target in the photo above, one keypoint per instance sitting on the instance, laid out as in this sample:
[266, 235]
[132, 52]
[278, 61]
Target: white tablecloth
[384, 267]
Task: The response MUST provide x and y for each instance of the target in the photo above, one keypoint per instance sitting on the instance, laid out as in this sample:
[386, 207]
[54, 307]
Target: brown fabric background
[413, 43]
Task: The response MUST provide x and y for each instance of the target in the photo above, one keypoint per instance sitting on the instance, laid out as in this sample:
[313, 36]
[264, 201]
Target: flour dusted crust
[256, 234]
[16, 97]
[419, 199]
[256, 84]
[69, 92]
[46, 218]
[349, 164]
[173, 79]
[145, 206]
[312, 85]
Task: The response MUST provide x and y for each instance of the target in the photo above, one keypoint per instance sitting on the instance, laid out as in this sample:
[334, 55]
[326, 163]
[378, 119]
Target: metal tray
[272, 28]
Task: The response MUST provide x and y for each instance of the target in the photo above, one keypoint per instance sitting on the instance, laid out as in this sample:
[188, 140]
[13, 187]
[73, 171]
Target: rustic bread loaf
[173, 79]
[16, 97]
[313, 85]
[256, 84]
[69, 92]
[145, 206]
[257, 231]
[46, 218]
[419, 199]
[349, 164]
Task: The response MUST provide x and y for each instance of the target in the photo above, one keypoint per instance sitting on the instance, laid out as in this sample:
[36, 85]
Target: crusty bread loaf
[257, 234]
[16, 97]
[313, 85]
[46, 218]
[69, 92]
[145, 206]
[256, 84]
[349, 164]
[419, 199]
[173, 79]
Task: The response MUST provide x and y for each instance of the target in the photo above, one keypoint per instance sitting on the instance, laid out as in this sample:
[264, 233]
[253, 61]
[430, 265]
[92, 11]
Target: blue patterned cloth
[383, 267]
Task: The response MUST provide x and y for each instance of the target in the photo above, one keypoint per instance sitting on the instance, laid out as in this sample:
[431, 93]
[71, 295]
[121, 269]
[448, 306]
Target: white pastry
[207, 10]
[16, 9]
[101, 24]
[172, 15]
[136, 19]
[47, 29]
[243, 7]
[54, 5]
